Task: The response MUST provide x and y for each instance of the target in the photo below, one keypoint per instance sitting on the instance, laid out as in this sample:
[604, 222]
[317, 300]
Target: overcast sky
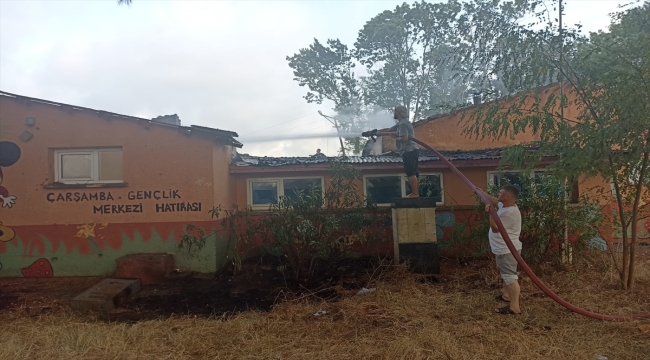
[214, 63]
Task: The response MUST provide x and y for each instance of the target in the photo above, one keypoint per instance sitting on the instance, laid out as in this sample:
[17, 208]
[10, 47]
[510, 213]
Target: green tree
[606, 78]
[420, 55]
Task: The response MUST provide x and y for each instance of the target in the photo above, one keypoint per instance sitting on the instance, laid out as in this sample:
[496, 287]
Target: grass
[405, 318]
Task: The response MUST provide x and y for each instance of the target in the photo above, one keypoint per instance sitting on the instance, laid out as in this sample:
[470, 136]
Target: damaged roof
[390, 157]
[221, 135]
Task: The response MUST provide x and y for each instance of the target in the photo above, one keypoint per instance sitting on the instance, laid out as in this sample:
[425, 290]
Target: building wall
[446, 132]
[456, 193]
[67, 227]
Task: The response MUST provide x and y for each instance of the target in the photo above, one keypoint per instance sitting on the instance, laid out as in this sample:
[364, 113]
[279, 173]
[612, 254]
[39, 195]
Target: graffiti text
[117, 209]
[195, 206]
[77, 197]
[156, 194]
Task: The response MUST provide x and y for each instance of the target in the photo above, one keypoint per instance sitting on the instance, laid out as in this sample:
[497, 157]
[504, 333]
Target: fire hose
[514, 251]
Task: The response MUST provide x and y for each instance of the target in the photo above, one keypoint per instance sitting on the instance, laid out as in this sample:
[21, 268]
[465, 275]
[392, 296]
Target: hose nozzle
[370, 133]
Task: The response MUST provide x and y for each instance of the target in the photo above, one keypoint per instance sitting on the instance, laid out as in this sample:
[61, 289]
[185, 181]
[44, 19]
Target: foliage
[467, 238]
[307, 234]
[421, 55]
[310, 233]
[545, 217]
[606, 77]
[196, 236]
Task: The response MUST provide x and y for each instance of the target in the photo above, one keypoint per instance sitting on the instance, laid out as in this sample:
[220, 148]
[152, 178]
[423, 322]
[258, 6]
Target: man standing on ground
[511, 218]
[406, 147]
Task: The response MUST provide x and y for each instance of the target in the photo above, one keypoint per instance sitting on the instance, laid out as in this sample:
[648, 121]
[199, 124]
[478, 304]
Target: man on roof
[403, 133]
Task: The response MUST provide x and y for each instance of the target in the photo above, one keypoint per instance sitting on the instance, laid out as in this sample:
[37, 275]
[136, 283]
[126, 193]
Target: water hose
[518, 257]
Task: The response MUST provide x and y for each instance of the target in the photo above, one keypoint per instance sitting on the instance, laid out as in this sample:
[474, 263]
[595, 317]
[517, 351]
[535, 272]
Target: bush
[311, 232]
[545, 216]
[306, 234]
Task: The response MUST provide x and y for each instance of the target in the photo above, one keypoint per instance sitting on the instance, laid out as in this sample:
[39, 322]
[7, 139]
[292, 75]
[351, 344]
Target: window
[430, 187]
[383, 189]
[264, 192]
[88, 166]
[501, 178]
[516, 178]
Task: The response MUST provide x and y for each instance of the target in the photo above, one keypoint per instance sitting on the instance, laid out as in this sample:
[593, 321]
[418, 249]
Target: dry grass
[404, 319]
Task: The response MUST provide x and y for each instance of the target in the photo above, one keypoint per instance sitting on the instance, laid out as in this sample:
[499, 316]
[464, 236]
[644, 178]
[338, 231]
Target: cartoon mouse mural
[9, 155]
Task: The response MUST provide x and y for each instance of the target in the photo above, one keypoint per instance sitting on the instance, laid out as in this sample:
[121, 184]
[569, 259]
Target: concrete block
[422, 258]
[107, 295]
[414, 203]
[149, 268]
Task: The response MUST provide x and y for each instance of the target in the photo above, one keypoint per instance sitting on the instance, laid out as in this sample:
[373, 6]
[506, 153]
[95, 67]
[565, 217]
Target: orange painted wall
[158, 158]
[190, 168]
[456, 192]
[446, 132]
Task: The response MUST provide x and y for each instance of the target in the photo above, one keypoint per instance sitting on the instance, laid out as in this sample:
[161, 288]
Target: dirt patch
[257, 286]
[450, 316]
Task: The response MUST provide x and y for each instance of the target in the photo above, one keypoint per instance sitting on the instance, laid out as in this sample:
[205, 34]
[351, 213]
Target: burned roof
[389, 157]
[221, 135]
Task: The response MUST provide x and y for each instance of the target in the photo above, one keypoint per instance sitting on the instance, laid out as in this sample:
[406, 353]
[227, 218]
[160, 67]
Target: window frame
[404, 178]
[94, 153]
[280, 182]
[532, 174]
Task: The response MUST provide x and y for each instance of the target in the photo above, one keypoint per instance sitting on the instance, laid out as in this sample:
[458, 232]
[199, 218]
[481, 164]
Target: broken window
[430, 187]
[383, 189]
[264, 192]
[502, 178]
[292, 187]
[89, 166]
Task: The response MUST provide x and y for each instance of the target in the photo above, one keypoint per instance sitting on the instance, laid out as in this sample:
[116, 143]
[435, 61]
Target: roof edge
[229, 135]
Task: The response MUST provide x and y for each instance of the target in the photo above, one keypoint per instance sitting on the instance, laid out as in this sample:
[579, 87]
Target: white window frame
[280, 182]
[532, 175]
[404, 178]
[490, 174]
[94, 153]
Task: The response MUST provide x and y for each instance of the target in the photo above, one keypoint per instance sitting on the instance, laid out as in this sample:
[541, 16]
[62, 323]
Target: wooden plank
[402, 225]
[416, 226]
[430, 225]
[395, 238]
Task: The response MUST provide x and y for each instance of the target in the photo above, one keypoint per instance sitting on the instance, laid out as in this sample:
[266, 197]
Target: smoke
[298, 137]
[358, 117]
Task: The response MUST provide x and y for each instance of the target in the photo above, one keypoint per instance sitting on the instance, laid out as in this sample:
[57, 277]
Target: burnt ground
[256, 287]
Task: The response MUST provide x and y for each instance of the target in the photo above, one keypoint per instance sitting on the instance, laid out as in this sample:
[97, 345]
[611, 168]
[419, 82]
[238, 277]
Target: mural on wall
[39, 269]
[92, 249]
[445, 219]
[9, 155]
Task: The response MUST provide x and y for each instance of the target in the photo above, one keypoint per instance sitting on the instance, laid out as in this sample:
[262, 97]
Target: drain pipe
[521, 261]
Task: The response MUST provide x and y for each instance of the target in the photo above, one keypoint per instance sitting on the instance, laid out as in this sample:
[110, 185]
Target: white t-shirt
[511, 219]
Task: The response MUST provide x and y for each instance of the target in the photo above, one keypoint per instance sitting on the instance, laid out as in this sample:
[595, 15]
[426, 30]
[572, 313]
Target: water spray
[514, 251]
[300, 137]
[336, 125]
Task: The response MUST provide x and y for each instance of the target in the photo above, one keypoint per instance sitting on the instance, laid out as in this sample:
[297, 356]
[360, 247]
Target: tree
[606, 77]
[419, 55]
[402, 49]
[124, 2]
[328, 72]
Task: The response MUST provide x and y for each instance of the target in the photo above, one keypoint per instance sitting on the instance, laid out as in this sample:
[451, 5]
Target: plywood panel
[430, 224]
[416, 226]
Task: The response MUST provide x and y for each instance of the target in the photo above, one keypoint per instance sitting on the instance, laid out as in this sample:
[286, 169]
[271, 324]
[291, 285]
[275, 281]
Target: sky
[217, 63]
